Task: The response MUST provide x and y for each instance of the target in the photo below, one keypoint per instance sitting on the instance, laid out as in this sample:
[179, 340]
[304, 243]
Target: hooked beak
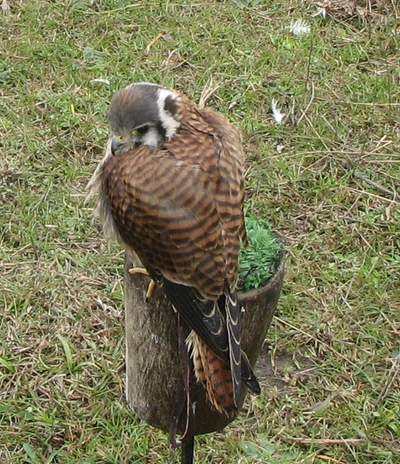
[115, 145]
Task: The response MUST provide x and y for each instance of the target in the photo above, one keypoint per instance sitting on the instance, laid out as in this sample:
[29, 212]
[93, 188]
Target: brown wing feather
[164, 210]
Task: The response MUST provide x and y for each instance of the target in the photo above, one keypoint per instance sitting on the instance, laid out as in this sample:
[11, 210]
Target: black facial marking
[142, 130]
[170, 105]
[161, 130]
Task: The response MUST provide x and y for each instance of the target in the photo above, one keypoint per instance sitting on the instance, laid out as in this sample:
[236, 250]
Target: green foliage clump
[258, 261]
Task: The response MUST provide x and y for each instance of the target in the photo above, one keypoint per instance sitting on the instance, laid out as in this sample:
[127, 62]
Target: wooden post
[153, 373]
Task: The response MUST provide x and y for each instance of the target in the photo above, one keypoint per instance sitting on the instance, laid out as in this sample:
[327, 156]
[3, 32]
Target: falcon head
[145, 114]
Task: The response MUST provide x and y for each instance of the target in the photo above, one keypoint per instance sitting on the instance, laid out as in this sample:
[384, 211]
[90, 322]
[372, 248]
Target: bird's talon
[138, 270]
[150, 290]
[152, 284]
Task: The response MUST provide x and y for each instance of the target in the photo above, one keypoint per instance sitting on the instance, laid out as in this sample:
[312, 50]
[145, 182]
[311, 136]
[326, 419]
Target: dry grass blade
[208, 91]
[392, 379]
[5, 7]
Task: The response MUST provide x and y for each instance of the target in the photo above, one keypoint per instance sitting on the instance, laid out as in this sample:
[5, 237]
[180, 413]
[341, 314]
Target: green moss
[258, 262]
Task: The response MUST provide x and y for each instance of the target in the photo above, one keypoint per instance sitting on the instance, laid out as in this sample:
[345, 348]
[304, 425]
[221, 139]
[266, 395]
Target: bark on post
[153, 370]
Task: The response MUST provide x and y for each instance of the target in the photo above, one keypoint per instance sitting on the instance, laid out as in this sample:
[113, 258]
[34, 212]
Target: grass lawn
[326, 179]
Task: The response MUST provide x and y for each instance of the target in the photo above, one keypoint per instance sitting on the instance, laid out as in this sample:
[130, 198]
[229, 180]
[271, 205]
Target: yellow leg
[143, 271]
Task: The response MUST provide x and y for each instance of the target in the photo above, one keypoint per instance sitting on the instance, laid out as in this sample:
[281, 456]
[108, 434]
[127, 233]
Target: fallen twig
[379, 187]
[326, 441]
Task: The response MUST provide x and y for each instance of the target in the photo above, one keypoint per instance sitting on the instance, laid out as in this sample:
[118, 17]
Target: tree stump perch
[153, 370]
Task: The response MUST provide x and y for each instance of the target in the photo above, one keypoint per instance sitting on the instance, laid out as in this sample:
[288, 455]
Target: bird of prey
[171, 190]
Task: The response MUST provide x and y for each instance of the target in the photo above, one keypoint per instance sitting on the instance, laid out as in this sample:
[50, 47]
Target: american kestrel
[171, 191]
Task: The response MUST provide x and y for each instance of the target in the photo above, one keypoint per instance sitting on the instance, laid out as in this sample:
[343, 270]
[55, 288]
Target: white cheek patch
[169, 123]
[152, 138]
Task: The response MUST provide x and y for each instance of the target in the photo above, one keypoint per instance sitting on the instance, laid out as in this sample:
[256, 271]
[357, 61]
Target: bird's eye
[142, 130]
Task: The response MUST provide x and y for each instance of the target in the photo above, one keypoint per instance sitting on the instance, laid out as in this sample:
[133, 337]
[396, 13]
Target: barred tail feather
[214, 374]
